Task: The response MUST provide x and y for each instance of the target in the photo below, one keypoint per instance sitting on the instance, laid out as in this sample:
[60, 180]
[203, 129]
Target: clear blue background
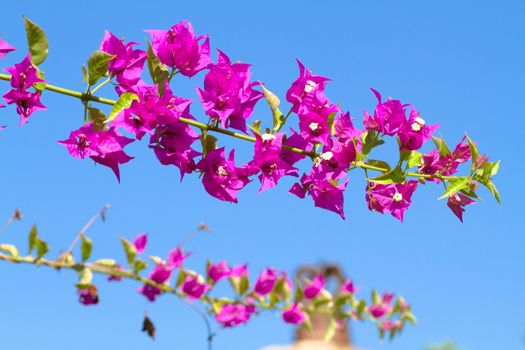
[459, 62]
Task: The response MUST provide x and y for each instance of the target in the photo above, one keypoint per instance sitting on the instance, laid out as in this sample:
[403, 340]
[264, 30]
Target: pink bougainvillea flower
[26, 103]
[415, 131]
[104, 147]
[115, 278]
[266, 282]
[383, 307]
[228, 95]
[88, 295]
[457, 203]
[393, 198]
[294, 315]
[160, 274]
[267, 160]
[232, 315]
[313, 288]
[222, 179]
[294, 140]
[218, 271]
[239, 271]
[176, 257]
[388, 118]
[333, 162]
[314, 114]
[128, 64]
[434, 163]
[388, 325]
[345, 129]
[348, 287]
[140, 243]
[178, 47]
[327, 194]
[194, 286]
[24, 74]
[303, 85]
[5, 48]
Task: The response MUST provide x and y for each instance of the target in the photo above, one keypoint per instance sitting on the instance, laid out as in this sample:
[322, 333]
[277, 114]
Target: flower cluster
[325, 132]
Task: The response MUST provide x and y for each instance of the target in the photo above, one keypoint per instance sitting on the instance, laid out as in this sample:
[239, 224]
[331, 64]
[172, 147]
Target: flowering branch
[327, 134]
[272, 290]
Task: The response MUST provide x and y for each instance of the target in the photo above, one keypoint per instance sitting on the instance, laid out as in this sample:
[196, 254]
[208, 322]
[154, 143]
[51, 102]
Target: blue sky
[459, 63]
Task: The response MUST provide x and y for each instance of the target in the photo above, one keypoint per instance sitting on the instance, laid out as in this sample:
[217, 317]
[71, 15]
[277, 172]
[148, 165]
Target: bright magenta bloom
[232, 315]
[140, 243]
[434, 163]
[24, 74]
[326, 194]
[160, 274]
[218, 271]
[457, 203]
[222, 179]
[303, 85]
[176, 257]
[266, 282]
[104, 147]
[178, 47]
[128, 64]
[88, 295]
[393, 198]
[5, 48]
[313, 288]
[228, 94]
[194, 286]
[267, 160]
[415, 131]
[294, 315]
[26, 103]
[388, 118]
[313, 115]
[348, 287]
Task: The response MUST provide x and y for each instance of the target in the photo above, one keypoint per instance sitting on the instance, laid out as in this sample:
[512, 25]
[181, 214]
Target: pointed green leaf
[396, 175]
[86, 248]
[473, 150]
[37, 42]
[157, 70]
[330, 330]
[414, 159]
[40, 86]
[98, 66]
[129, 249]
[244, 285]
[124, 102]
[492, 188]
[98, 118]
[110, 263]
[441, 146]
[139, 265]
[379, 163]
[33, 236]
[208, 142]
[42, 248]
[455, 186]
[9, 249]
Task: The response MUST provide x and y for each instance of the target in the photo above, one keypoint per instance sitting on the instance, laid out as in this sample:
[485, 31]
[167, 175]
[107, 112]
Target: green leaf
[490, 169]
[139, 265]
[441, 146]
[455, 186]
[370, 141]
[9, 249]
[208, 142]
[299, 293]
[37, 42]
[376, 299]
[244, 285]
[42, 248]
[157, 70]
[396, 175]
[85, 277]
[124, 102]
[130, 250]
[98, 118]
[473, 151]
[33, 236]
[274, 102]
[86, 248]
[98, 66]
[409, 317]
[361, 306]
[40, 86]
[156, 259]
[181, 277]
[414, 159]
[379, 164]
[492, 188]
[330, 330]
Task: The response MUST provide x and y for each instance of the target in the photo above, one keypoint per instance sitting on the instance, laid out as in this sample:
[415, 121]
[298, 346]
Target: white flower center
[416, 126]
[397, 197]
[326, 155]
[309, 86]
[420, 121]
[313, 126]
[267, 137]
[221, 171]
